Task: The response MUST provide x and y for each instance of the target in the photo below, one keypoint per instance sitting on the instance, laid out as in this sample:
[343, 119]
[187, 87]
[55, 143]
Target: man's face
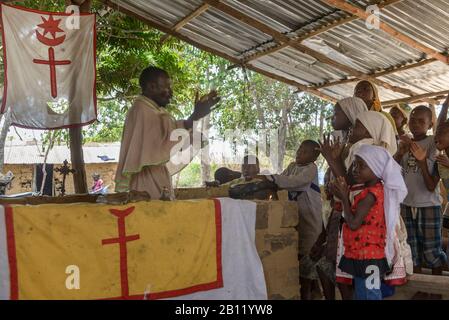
[339, 119]
[365, 91]
[419, 123]
[160, 90]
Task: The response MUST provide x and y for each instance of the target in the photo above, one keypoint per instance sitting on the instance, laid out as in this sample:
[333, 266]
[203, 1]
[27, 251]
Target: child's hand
[340, 188]
[419, 153]
[331, 150]
[404, 144]
[443, 160]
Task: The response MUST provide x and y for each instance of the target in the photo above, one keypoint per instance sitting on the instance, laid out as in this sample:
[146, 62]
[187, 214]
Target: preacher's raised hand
[203, 105]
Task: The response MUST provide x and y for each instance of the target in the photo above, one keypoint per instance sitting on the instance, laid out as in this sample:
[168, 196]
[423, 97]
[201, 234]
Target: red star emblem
[50, 26]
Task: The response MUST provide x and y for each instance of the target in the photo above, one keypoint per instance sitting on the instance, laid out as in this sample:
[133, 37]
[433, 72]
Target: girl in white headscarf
[352, 107]
[372, 128]
[343, 120]
[345, 114]
[370, 228]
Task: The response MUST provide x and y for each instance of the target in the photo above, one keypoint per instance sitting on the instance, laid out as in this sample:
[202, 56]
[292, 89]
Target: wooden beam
[377, 74]
[343, 5]
[76, 134]
[200, 46]
[418, 98]
[434, 117]
[283, 39]
[293, 83]
[198, 11]
[427, 283]
[313, 33]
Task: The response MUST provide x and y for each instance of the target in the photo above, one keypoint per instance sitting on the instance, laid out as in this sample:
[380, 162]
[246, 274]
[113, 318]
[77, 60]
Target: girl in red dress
[370, 219]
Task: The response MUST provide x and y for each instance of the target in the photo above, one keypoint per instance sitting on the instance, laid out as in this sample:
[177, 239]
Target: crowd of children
[382, 183]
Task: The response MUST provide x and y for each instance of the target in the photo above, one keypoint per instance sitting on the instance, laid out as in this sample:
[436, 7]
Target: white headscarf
[352, 107]
[386, 168]
[380, 129]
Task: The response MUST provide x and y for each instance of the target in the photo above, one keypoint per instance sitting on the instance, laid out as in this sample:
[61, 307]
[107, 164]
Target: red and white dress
[368, 242]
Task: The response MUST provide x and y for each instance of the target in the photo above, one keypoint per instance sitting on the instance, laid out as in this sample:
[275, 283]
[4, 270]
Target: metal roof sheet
[351, 44]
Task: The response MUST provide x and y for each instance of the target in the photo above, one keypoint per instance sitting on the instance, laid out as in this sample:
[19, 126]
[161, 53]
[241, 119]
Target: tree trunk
[282, 137]
[76, 134]
[434, 118]
[205, 160]
[255, 97]
[3, 135]
[322, 120]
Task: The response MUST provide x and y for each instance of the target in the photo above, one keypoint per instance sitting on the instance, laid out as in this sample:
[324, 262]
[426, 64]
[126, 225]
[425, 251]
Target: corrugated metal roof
[32, 154]
[351, 44]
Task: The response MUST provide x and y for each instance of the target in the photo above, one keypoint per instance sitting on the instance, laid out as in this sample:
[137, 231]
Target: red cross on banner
[51, 26]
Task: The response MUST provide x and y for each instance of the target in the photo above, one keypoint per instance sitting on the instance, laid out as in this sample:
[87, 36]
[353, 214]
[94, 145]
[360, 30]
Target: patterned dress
[365, 246]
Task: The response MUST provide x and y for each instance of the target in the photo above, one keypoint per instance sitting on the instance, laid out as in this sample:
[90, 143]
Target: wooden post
[76, 134]
[434, 118]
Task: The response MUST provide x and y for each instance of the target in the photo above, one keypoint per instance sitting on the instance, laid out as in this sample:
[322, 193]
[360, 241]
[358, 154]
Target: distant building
[25, 161]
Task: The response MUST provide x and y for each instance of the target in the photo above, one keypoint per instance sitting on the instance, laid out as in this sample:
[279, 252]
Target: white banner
[49, 61]
[243, 275]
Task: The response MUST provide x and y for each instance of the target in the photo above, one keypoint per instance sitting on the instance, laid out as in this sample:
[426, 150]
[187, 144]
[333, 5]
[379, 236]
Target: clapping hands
[443, 160]
[340, 188]
[331, 150]
[418, 152]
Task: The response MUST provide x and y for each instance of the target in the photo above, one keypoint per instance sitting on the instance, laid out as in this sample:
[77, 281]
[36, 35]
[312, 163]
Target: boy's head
[361, 172]
[442, 136]
[420, 120]
[399, 116]
[340, 120]
[250, 167]
[359, 132]
[307, 152]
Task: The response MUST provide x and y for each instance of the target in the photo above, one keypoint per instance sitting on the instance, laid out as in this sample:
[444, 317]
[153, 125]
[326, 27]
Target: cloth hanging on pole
[50, 69]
